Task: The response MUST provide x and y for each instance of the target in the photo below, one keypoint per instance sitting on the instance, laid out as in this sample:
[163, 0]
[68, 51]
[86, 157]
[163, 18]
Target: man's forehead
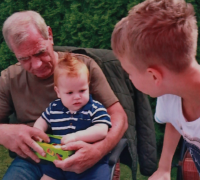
[28, 51]
[31, 54]
[29, 48]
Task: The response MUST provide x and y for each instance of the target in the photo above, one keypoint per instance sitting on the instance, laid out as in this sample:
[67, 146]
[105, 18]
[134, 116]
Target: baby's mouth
[77, 103]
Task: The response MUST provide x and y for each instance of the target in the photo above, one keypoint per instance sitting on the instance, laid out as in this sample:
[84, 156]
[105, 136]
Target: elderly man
[26, 88]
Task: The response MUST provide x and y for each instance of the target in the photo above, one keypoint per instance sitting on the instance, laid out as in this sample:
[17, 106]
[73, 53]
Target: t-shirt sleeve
[46, 114]
[99, 87]
[6, 105]
[160, 114]
[100, 115]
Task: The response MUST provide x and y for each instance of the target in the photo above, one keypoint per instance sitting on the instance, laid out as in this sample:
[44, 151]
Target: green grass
[5, 161]
[126, 174]
[125, 171]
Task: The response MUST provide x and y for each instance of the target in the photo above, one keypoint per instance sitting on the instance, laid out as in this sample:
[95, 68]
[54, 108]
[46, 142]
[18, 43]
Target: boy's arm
[41, 124]
[90, 135]
[171, 139]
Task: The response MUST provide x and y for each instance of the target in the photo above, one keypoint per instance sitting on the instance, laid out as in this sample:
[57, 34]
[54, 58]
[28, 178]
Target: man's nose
[35, 62]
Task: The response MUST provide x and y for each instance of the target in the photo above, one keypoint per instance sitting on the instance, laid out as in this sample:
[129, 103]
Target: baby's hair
[157, 32]
[70, 66]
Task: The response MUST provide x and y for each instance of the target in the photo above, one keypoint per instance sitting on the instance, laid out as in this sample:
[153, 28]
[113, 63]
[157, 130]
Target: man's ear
[57, 91]
[155, 75]
[50, 33]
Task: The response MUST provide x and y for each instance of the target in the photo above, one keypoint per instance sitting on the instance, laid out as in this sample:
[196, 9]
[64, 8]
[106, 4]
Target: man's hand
[89, 154]
[68, 138]
[86, 156]
[160, 174]
[19, 139]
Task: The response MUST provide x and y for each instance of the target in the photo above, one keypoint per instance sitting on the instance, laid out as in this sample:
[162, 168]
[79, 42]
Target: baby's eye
[83, 90]
[69, 92]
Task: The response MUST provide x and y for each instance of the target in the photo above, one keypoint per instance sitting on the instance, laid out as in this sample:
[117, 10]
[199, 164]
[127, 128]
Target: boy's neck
[188, 88]
[191, 110]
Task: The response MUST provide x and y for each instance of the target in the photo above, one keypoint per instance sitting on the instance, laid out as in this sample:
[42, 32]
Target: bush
[74, 22]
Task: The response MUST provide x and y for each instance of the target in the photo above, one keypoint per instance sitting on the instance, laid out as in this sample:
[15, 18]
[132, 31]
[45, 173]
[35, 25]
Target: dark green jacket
[141, 132]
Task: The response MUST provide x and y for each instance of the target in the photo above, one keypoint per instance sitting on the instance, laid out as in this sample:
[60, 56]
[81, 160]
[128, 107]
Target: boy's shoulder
[56, 104]
[97, 108]
[168, 104]
[95, 104]
[168, 107]
[92, 105]
[168, 98]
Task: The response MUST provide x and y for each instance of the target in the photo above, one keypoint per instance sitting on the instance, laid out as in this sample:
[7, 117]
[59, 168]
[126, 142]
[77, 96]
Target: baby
[75, 116]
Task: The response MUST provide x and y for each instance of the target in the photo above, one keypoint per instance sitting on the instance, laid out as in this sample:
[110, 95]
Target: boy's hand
[68, 138]
[160, 174]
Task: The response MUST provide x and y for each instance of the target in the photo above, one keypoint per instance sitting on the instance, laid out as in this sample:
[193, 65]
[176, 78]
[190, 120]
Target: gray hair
[16, 25]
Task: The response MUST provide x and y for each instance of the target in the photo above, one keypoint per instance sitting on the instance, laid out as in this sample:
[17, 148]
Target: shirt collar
[88, 105]
[84, 108]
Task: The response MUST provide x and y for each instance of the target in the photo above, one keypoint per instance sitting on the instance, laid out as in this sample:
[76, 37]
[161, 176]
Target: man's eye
[40, 53]
[24, 59]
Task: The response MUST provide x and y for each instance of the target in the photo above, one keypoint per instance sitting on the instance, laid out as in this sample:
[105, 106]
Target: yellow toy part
[53, 150]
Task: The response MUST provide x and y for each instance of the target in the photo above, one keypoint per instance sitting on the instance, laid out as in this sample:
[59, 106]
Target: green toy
[53, 149]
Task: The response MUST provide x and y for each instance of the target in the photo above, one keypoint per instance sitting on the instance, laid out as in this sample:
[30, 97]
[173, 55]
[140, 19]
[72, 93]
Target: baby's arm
[41, 124]
[92, 134]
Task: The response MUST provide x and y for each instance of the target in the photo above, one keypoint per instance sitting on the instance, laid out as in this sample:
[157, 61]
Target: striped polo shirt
[63, 122]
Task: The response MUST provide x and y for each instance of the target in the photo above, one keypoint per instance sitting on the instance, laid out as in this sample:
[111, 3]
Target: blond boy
[156, 44]
[75, 116]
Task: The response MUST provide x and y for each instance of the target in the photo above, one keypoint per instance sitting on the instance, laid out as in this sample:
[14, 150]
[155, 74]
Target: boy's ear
[155, 75]
[50, 33]
[57, 91]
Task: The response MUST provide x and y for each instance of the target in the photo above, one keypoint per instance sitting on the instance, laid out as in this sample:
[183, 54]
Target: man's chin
[43, 76]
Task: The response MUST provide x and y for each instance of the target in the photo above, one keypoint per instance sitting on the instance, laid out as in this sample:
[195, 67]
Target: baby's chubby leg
[45, 177]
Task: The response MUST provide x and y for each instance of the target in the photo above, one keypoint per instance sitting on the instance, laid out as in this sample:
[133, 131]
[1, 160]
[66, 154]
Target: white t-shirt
[169, 110]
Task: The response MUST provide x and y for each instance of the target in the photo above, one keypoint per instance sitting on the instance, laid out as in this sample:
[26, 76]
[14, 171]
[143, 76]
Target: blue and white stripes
[63, 122]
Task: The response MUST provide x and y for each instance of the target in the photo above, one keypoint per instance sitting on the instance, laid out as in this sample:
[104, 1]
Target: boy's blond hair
[70, 66]
[157, 32]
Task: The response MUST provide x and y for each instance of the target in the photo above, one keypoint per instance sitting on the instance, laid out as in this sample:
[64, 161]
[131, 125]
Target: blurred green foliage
[80, 23]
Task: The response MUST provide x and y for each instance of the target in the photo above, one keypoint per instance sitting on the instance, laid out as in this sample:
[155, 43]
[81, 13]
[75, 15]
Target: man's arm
[89, 154]
[17, 138]
[171, 139]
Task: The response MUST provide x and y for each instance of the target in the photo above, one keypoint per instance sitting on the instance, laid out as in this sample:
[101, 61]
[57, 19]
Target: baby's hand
[68, 138]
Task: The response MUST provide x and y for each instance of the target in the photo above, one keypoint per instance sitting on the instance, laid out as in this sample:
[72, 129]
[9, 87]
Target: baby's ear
[57, 91]
[155, 75]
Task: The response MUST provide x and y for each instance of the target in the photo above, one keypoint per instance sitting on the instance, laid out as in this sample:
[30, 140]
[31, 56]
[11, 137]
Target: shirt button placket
[71, 124]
